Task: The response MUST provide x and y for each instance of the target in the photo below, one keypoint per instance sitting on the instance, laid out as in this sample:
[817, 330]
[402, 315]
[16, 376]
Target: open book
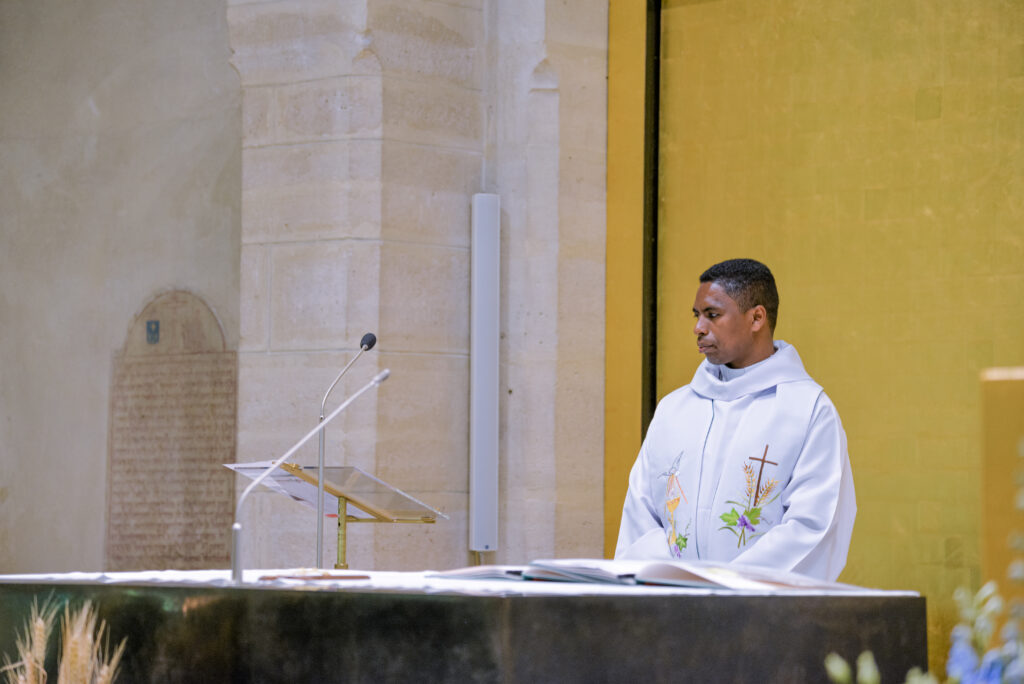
[483, 572]
[706, 574]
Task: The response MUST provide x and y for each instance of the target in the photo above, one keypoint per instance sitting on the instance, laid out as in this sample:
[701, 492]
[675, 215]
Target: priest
[748, 462]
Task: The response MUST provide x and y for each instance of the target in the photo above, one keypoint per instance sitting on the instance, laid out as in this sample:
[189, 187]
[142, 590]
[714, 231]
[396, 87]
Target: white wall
[120, 176]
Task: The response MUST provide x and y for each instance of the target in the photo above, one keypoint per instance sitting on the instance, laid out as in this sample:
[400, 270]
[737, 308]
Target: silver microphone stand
[365, 344]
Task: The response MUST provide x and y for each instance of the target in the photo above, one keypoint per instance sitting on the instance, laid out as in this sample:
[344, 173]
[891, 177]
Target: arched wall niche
[172, 427]
[184, 325]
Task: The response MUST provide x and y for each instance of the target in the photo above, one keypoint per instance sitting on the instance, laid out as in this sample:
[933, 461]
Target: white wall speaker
[485, 320]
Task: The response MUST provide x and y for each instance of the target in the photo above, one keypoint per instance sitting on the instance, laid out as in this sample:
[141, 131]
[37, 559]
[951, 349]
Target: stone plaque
[170, 501]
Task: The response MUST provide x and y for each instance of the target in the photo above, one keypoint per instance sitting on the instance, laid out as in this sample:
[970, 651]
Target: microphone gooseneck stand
[236, 528]
[365, 344]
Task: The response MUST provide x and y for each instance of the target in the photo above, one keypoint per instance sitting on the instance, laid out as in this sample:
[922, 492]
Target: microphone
[365, 344]
[236, 528]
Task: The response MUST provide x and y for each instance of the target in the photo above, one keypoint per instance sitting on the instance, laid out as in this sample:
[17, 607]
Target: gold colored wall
[624, 256]
[870, 153]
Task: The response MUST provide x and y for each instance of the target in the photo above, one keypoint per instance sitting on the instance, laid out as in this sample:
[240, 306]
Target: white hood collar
[782, 366]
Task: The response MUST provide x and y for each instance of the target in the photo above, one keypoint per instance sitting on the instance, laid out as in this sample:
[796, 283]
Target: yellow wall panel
[624, 267]
[870, 154]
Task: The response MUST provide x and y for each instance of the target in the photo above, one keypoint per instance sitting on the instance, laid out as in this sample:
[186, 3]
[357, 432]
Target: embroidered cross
[763, 461]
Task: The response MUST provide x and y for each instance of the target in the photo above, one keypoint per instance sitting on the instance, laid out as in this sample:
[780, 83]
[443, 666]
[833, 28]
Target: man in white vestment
[748, 462]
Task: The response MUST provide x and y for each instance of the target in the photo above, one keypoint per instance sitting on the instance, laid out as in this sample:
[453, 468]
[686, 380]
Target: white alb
[753, 469]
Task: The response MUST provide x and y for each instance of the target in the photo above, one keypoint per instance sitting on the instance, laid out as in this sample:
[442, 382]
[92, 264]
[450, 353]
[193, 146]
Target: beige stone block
[423, 422]
[471, 4]
[526, 528]
[312, 191]
[435, 546]
[277, 532]
[322, 293]
[282, 42]
[530, 302]
[582, 174]
[579, 411]
[254, 299]
[257, 116]
[543, 118]
[527, 426]
[326, 109]
[584, 98]
[279, 399]
[429, 40]
[581, 314]
[427, 192]
[424, 298]
[578, 23]
[432, 113]
[579, 522]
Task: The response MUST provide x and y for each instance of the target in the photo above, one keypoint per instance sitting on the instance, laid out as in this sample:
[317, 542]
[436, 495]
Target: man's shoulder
[805, 392]
[805, 386]
[680, 395]
[679, 400]
[807, 399]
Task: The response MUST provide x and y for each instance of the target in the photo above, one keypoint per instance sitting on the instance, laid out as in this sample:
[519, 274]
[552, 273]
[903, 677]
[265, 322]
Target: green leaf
[754, 516]
[731, 518]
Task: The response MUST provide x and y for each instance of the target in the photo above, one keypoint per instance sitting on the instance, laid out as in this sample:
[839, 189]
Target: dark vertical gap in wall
[652, 87]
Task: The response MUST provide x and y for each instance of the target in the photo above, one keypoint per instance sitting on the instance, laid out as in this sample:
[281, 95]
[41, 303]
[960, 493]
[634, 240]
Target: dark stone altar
[203, 633]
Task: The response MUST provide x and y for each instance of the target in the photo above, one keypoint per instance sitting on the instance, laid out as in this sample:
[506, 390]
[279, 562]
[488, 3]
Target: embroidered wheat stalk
[748, 473]
[766, 489]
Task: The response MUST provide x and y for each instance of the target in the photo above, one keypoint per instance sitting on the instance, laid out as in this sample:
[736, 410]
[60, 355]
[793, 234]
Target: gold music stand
[348, 490]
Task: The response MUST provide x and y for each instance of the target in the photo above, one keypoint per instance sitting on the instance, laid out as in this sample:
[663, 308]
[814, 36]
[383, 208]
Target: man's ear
[758, 317]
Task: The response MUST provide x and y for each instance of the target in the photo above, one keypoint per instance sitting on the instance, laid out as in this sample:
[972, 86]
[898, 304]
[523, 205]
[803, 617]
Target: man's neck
[763, 351]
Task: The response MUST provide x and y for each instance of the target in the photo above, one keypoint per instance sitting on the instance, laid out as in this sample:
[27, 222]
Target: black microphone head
[369, 339]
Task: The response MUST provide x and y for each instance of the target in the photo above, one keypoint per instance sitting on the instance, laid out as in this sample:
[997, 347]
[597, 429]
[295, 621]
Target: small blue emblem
[152, 332]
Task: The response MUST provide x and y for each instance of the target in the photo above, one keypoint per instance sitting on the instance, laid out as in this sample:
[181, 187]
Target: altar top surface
[427, 582]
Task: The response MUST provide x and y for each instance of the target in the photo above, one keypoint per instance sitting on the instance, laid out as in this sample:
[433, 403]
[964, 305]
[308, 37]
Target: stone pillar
[547, 94]
[368, 125]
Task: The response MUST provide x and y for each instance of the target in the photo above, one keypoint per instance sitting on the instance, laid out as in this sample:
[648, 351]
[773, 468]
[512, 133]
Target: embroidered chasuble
[752, 468]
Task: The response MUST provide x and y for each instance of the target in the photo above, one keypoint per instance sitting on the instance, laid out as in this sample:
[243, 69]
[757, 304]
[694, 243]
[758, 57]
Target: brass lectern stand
[357, 496]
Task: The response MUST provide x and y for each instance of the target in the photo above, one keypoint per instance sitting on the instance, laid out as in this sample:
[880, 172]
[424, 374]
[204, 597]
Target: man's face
[725, 334]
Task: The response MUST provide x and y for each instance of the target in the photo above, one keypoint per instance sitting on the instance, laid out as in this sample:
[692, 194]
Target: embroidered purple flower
[677, 544]
[740, 523]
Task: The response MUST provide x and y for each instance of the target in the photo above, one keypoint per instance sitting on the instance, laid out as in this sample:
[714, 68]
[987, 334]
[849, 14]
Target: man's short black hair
[749, 282]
